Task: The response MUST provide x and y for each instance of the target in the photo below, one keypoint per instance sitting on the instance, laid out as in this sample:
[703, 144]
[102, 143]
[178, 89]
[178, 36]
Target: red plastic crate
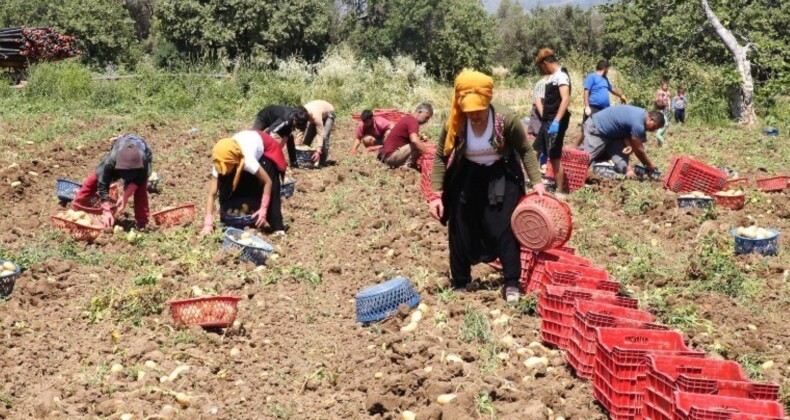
[615, 412]
[576, 164]
[667, 374]
[651, 409]
[560, 274]
[620, 393]
[538, 274]
[711, 407]
[391, 114]
[590, 316]
[735, 183]
[687, 175]
[774, 184]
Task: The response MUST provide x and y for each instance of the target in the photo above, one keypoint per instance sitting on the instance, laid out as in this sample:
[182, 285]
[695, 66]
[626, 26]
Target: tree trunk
[744, 102]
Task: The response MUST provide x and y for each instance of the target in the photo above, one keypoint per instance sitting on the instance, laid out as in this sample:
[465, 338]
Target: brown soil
[301, 353]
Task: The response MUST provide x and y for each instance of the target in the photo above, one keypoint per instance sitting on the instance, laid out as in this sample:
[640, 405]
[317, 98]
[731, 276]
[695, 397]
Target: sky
[492, 5]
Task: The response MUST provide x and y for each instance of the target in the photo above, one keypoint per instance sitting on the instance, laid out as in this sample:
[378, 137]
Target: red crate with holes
[575, 165]
[560, 274]
[667, 374]
[711, 407]
[588, 317]
[774, 184]
[620, 375]
[537, 277]
[736, 183]
[556, 306]
[687, 175]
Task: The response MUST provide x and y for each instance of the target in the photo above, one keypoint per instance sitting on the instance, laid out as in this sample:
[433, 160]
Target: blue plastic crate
[235, 203]
[304, 159]
[67, 190]
[695, 202]
[768, 246]
[7, 282]
[381, 301]
[606, 171]
[255, 254]
[641, 174]
[287, 188]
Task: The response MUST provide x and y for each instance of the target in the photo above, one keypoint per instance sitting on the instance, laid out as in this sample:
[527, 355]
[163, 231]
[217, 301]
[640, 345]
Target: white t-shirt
[251, 146]
[559, 78]
[478, 148]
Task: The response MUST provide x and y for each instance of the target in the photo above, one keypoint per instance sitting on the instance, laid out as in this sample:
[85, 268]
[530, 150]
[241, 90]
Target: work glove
[123, 200]
[316, 156]
[106, 214]
[554, 128]
[435, 205]
[539, 188]
[587, 111]
[208, 225]
[260, 215]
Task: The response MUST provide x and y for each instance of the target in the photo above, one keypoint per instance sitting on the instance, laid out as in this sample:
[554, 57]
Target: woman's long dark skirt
[250, 186]
[481, 232]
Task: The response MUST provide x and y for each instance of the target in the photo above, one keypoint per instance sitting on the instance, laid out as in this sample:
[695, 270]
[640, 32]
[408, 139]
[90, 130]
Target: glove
[208, 225]
[539, 188]
[587, 111]
[124, 199]
[435, 205]
[260, 215]
[316, 156]
[554, 128]
[106, 214]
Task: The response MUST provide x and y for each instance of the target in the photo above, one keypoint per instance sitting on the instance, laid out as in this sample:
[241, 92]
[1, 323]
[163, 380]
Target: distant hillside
[492, 5]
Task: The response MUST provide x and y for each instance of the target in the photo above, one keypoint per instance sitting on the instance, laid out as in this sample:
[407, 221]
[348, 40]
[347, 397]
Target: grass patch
[485, 405]
[129, 306]
[527, 305]
[713, 269]
[476, 328]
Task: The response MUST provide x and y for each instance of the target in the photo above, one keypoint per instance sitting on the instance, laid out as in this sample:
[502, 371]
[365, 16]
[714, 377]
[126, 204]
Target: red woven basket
[175, 216]
[735, 202]
[540, 223]
[773, 184]
[77, 231]
[212, 311]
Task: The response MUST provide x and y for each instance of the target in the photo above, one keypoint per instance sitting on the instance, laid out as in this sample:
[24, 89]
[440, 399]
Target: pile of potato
[246, 240]
[695, 194]
[730, 193]
[240, 212]
[8, 269]
[81, 218]
[753, 232]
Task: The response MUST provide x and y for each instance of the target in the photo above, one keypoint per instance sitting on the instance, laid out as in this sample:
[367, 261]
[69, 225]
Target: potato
[6, 273]
[454, 358]
[183, 399]
[84, 222]
[416, 316]
[245, 208]
[423, 307]
[446, 398]
[409, 328]
[407, 415]
[246, 235]
[9, 266]
[536, 362]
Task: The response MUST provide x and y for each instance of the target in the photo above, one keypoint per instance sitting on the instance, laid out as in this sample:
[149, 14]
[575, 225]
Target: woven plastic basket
[67, 190]
[734, 202]
[212, 311]
[378, 302]
[175, 216]
[736, 183]
[288, 188]
[257, 253]
[540, 223]
[8, 281]
[767, 246]
[695, 202]
[235, 203]
[773, 184]
[77, 231]
[304, 158]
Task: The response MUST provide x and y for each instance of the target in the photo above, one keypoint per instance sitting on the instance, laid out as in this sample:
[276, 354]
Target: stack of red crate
[562, 274]
[687, 175]
[588, 318]
[668, 374]
[556, 306]
[709, 407]
[620, 377]
[537, 276]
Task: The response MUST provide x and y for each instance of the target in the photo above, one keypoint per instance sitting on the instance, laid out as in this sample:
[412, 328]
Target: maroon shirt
[399, 136]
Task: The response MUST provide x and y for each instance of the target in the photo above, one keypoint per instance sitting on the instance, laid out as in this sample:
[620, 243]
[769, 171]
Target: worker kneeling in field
[403, 146]
[129, 159]
[249, 165]
[617, 128]
[281, 120]
[371, 131]
[478, 179]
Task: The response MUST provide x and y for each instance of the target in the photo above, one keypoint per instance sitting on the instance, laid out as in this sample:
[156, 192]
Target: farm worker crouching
[403, 146]
[129, 159]
[321, 118]
[478, 179]
[371, 131]
[555, 117]
[614, 129]
[251, 164]
[281, 120]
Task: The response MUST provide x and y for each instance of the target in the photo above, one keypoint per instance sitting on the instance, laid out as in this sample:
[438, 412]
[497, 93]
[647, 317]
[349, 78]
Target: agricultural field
[87, 331]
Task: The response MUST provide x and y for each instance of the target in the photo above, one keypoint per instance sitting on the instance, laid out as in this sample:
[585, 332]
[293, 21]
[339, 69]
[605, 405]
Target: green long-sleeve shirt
[514, 138]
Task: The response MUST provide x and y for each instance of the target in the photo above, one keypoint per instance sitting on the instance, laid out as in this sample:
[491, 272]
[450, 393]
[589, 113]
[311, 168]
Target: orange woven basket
[734, 202]
[540, 223]
[77, 231]
[175, 216]
[211, 311]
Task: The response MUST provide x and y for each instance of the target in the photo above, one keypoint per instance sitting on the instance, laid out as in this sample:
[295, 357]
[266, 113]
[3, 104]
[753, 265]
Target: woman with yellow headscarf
[248, 167]
[478, 178]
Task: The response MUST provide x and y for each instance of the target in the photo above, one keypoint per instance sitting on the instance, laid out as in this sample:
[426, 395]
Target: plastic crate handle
[747, 388]
[691, 370]
[635, 339]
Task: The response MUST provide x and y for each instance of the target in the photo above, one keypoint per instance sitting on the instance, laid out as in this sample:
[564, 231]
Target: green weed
[279, 412]
[127, 306]
[527, 305]
[751, 364]
[7, 402]
[476, 328]
[446, 294]
[713, 268]
[685, 317]
[485, 404]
